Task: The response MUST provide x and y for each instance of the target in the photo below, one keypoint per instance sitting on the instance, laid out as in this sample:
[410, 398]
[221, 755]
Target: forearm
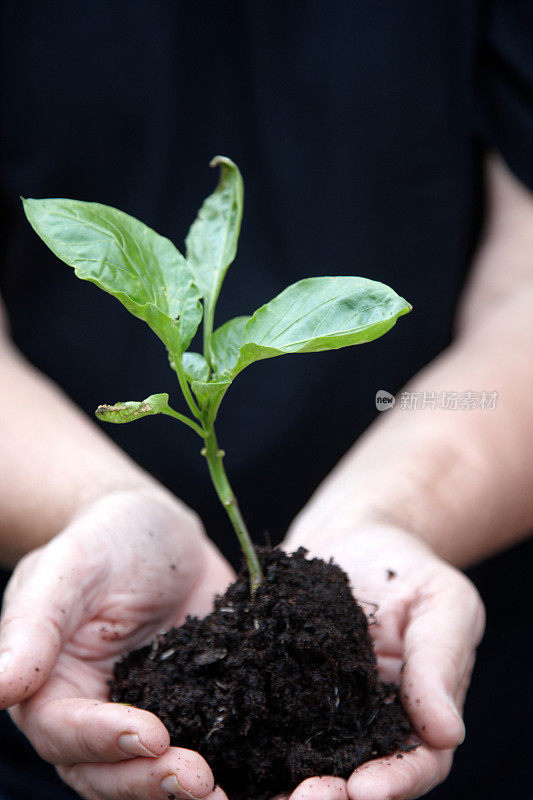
[459, 479]
[53, 460]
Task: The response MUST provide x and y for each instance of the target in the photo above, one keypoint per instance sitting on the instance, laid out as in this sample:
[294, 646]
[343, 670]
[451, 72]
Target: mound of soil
[273, 689]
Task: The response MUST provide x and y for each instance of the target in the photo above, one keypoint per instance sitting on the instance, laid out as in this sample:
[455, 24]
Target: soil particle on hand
[282, 688]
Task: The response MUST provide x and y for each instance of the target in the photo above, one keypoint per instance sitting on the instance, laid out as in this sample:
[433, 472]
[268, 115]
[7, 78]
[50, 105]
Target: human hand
[131, 565]
[429, 621]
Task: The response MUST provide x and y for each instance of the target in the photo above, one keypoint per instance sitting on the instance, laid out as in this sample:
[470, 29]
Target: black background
[360, 130]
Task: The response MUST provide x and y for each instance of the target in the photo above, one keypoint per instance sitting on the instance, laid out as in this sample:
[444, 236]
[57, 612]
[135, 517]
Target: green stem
[178, 367]
[225, 493]
[209, 319]
[182, 418]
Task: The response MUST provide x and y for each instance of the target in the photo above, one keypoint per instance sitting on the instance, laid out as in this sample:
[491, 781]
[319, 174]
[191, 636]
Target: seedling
[172, 293]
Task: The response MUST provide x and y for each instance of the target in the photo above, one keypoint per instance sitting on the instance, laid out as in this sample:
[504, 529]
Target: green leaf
[125, 258]
[133, 409]
[212, 240]
[195, 366]
[226, 343]
[210, 395]
[320, 314]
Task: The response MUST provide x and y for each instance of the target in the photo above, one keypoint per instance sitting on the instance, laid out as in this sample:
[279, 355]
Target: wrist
[129, 489]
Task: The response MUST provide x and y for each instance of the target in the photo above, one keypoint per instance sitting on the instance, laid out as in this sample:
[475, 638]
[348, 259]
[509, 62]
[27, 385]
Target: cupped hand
[426, 622]
[129, 566]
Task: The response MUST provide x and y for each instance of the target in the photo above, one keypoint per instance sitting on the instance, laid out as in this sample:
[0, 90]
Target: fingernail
[5, 658]
[132, 745]
[170, 786]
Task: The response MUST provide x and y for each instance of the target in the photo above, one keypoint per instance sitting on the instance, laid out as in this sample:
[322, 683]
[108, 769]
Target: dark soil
[274, 689]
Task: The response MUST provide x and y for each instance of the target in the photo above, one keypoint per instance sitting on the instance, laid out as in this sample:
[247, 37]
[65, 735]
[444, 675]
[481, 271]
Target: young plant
[172, 293]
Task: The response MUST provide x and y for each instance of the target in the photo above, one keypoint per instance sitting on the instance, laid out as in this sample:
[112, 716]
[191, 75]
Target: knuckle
[42, 734]
[48, 748]
[86, 748]
[475, 607]
[445, 765]
[19, 576]
[480, 617]
[472, 603]
[413, 774]
[16, 716]
[424, 774]
[76, 778]
[194, 520]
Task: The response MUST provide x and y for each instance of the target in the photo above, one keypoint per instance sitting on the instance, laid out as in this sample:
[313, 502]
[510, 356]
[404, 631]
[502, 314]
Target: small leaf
[133, 409]
[195, 366]
[226, 343]
[125, 258]
[210, 395]
[212, 240]
[320, 314]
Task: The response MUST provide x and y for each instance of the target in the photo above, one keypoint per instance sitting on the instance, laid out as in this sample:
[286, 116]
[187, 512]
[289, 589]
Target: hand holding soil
[427, 618]
[427, 623]
[131, 565]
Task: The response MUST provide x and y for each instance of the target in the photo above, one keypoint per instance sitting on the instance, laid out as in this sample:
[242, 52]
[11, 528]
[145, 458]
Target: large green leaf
[125, 258]
[212, 240]
[226, 343]
[320, 314]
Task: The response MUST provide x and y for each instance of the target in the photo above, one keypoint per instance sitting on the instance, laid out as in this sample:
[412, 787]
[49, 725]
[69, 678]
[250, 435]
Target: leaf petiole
[182, 378]
[169, 412]
[209, 318]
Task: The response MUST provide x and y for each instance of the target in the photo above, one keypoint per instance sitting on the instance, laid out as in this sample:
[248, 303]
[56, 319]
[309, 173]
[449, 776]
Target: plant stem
[225, 493]
[178, 367]
[214, 458]
[209, 318]
[182, 418]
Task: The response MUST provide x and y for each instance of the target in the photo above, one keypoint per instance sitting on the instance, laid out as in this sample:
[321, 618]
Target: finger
[444, 630]
[390, 669]
[74, 730]
[217, 576]
[402, 777]
[217, 794]
[323, 788]
[43, 604]
[460, 695]
[178, 773]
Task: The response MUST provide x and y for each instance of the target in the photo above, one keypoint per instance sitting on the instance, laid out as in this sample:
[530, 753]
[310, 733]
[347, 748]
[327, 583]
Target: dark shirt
[360, 129]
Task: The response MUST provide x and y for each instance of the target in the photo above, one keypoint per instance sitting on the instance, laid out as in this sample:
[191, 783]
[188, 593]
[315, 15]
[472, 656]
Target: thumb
[440, 641]
[42, 607]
